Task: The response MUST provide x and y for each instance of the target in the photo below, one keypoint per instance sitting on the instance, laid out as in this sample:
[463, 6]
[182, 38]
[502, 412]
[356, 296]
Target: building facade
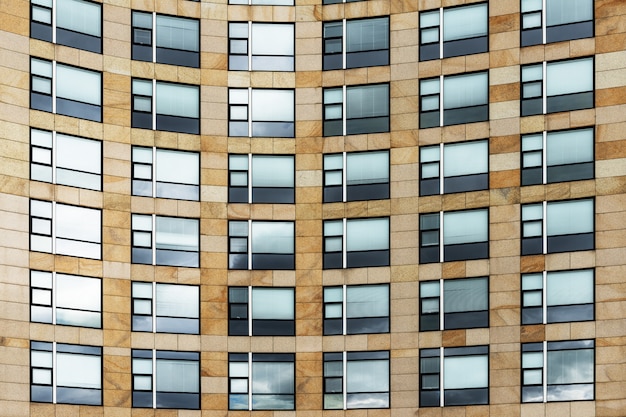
[319, 207]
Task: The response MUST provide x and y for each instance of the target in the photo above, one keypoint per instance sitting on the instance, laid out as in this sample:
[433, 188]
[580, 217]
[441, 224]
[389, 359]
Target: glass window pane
[560, 79]
[465, 22]
[466, 372]
[41, 138]
[177, 233]
[77, 292]
[367, 234]
[272, 39]
[569, 147]
[333, 95]
[142, 87]
[532, 72]
[79, 16]
[272, 105]
[272, 237]
[238, 369]
[367, 34]
[41, 359]
[177, 300]
[142, 289]
[142, 366]
[177, 33]
[367, 376]
[532, 281]
[465, 295]
[238, 162]
[466, 227]
[41, 67]
[429, 289]
[273, 303]
[80, 371]
[79, 84]
[367, 101]
[570, 217]
[531, 5]
[559, 12]
[141, 222]
[79, 154]
[333, 294]
[367, 301]
[78, 223]
[272, 377]
[570, 366]
[570, 287]
[367, 168]
[177, 375]
[465, 90]
[238, 96]
[178, 167]
[272, 171]
[177, 100]
[465, 158]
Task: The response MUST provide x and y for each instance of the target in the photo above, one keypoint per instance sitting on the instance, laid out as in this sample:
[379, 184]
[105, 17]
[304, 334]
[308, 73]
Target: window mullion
[544, 227]
[249, 178]
[154, 377]
[441, 162]
[344, 244]
[249, 248]
[441, 225]
[154, 231]
[54, 157]
[54, 21]
[344, 175]
[344, 111]
[544, 157]
[250, 381]
[54, 297]
[344, 311]
[153, 34]
[54, 227]
[250, 110]
[441, 304]
[54, 86]
[441, 92]
[543, 21]
[544, 88]
[441, 378]
[154, 168]
[249, 47]
[544, 371]
[249, 307]
[54, 372]
[344, 45]
[344, 379]
[441, 35]
[153, 305]
[153, 102]
[544, 297]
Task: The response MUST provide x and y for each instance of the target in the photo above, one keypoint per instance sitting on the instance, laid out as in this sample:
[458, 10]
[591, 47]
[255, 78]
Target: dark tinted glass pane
[273, 195]
[142, 399]
[272, 402]
[273, 129]
[41, 31]
[571, 392]
[532, 106]
[571, 172]
[333, 194]
[79, 40]
[177, 258]
[466, 251]
[571, 31]
[429, 255]
[429, 187]
[466, 320]
[177, 325]
[79, 396]
[178, 124]
[532, 394]
[532, 246]
[141, 256]
[367, 59]
[429, 322]
[367, 325]
[466, 396]
[40, 102]
[273, 261]
[562, 314]
[367, 258]
[332, 326]
[532, 37]
[465, 46]
[532, 176]
[430, 119]
[237, 327]
[532, 315]
[570, 102]
[237, 194]
[237, 261]
[333, 128]
[142, 53]
[177, 400]
[41, 394]
[368, 125]
[333, 260]
[178, 57]
[466, 183]
[80, 110]
[367, 192]
[142, 120]
[567, 243]
[429, 52]
[465, 115]
[273, 327]
[334, 61]
[238, 62]
[429, 398]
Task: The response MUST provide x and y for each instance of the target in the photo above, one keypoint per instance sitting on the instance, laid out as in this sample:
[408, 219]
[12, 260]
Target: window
[465, 304]
[65, 230]
[166, 173]
[176, 241]
[72, 300]
[356, 176]
[261, 311]
[365, 42]
[558, 371]
[568, 226]
[465, 236]
[259, 46]
[66, 90]
[551, 87]
[261, 179]
[454, 167]
[464, 99]
[165, 308]
[166, 379]
[76, 23]
[261, 381]
[568, 156]
[176, 107]
[66, 160]
[65, 374]
[257, 112]
[558, 296]
[465, 31]
[261, 245]
[354, 243]
[266, 2]
[561, 20]
[356, 109]
[454, 376]
[175, 41]
[356, 380]
[356, 309]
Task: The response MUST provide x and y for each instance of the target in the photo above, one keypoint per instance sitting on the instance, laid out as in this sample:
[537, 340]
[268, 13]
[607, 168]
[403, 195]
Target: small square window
[261, 112]
[356, 43]
[261, 311]
[560, 20]
[255, 46]
[166, 173]
[356, 110]
[356, 176]
[356, 309]
[165, 308]
[261, 244]
[354, 243]
[261, 179]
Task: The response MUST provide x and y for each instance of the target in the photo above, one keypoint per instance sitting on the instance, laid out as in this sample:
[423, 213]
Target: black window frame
[233, 60]
[256, 128]
[260, 195]
[344, 192]
[370, 324]
[544, 33]
[241, 320]
[334, 259]
[333, 126]
[251, 260]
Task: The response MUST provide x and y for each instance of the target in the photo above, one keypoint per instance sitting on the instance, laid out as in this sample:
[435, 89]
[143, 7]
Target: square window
[356, 309]
[261, 179]
[356, 110]
[354, 243]
[560, 20]
[356, 43]
[261, 244]
[356, 176]
[261, 112]
[256, 46]
[261, 311]
[165, 308]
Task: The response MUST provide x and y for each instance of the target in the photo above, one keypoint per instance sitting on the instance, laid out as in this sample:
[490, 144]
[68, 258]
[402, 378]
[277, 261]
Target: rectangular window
[170, 241]
[166, 106]
[454, 167]
[261, 112]
[65, 230]
[261, 244]
[261, 311]
[261, 381]
[558, 296]
[356, 109]
[72, 300]
[166, 173]
[560, 20]
[465, 31]
[465, 304]
[551, 87]
[175, 41]
[566, 155]
[356, 309]
[65, 374]
[454, 376]
[263, 2]
[75, 23]
[166, 379]
[464, 98]
[355, 243]
[356, 380]
[356, 43]
[356, 176]
[66, 90]
[67, 160]
[261, 179]
[465, 236]
[165, 308]
[255, 46]
[558, 226]
[558, 371]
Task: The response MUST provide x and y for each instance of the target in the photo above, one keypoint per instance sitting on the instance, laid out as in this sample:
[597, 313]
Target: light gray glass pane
[238, 96]
[177, 233]
[333, 178]
[530, 5]
[532, 160]
[238, 162]
[570, 287]
[533, 376]
[238, 30]
[570, 366]
[142, 289]
[80, 249]
[532, 281]
[40, 359]
[143, 172]
[143, 383]
[465, 158]
[177, 300]
[465, 90]
[237, 228]
[272, 105]
[40, 243]
[559, 12]
[532, 229]
[41, 279]
[77, 292]
[273, 303]
[238, 46]
[569, 217]
[570, 147]
[334, 294]
[430, 35]
[238, 112]
[430, 306]
[333, 228]
[461, 372]
[333, 29]
[465, 295]
[177, 100]
[532, 72]
[333, 95]
[272, 237]
[271, 378]
[178, 167]
[239, 385]
[239, 179]
[334, 368]
[41, 138]
[333, 311]
[532, 360]
[430, 86]
[367, 168]
[273, 171]
[141, 103]
[367, 234]
[142, 20]
[530, 21]
[430, 103]
[429, 18]
[333, 244]
[142, 366]
[560, 79]
[177, 33]
[79, 16]
[79, 154]
[532, 299]
[41, 156]
[532, 212]
[238, 369]
[79, 84]
[367, 34]
[41, 67]
[40, 173]
[332, 112]
[80, 371]
[429, 289]
[532, 142]
[78, 223]
[42, 85]
[142, 306]
[430, 154]
[177, 375]
[367, 376]
[142, 222]
[78, 318]
[142, 87]
[272, 39]
[367, 101]
[334, 161]
[143, 155]
[41, 226]
[41, 15]
[465, 22]
[367, 301]
[466, 227]
[42, 376]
